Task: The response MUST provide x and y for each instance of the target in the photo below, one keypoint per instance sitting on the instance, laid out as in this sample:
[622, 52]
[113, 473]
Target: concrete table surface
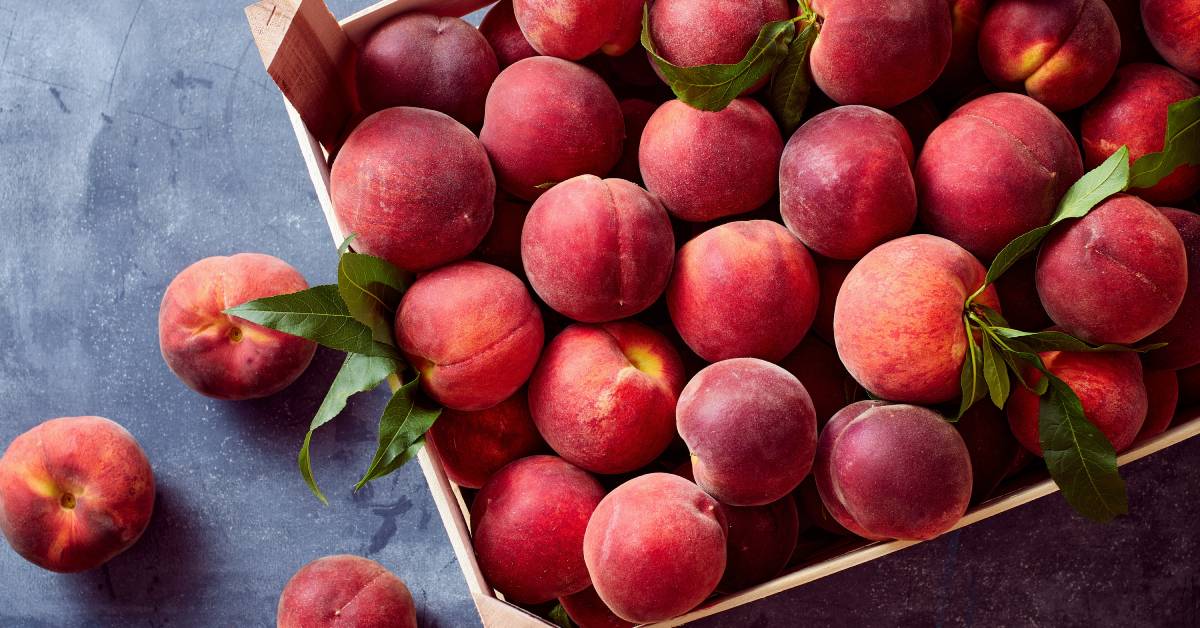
[137, 136]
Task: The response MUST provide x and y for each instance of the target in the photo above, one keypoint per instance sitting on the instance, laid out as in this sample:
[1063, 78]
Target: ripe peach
[637, 113]
[1162, 395]
[474, 445]
[1062, 53]
[587, 610]
[707, 165]
[962, 70]
[422, 60]
[1132, 111]
[1116, 275]
[996, 168]
[547, 120]
[574, 29]
[604, 396]
[893, 471]
[345, 591]
[767, 286]
[502, 244]
[847, 144]
[415, 186]
[598, 250]
[1183, 343]
[751, 429]
[74, 493]
[761, 542]
[1174, 29]
[816, 364]
[527, 526]
[813, 510]
[865, 56]
[223, 356]
[898, 324]
[1109, 385]
[473, 333]
[655, 547]
[991, 445]
[501, 30]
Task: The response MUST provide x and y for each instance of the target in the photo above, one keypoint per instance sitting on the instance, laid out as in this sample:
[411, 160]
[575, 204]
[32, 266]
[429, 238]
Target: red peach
[1183, 343]
[574, 29]
[992, 447]
[587, 610]
[1162, 395]
[813, 510]
[1174, 29]
[761, 542]
[223, 356]
[920, 116]
[816, 364]
[962, 70]
[345, 591]
[501, 30]
[474, 445]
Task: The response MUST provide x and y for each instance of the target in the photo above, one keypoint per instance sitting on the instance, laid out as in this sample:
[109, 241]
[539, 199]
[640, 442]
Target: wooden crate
[310, 55]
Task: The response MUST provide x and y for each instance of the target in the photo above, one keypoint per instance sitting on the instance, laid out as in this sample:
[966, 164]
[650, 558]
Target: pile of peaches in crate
[681, 292]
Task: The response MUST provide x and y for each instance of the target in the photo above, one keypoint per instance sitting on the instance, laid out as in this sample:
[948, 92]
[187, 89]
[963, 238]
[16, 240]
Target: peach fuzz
[527, 526]
[547, 120]
[893, 471]
[996, 168]
[706, 165]
[499, 27]
[1173, 27]
[473, 333]
[761, 542]
[1183, 343]
[604, 396]
[745, 289]
[846, 182]
[587, 610]
[1132, 111]
[415, 186]
[816, 364]
[223, 356]
[345, 590]
[1110, 387]
[1061, 53]
[422, 60]
[751, 429]
[474, 445]
[598, 250]
[1116, 275]
[574, 29]
[74, 493]
[864, 56]
[655, 547]
[898, 322]
[1162, 395]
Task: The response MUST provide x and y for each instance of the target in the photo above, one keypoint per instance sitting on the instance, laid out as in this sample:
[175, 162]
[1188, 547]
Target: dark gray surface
[138, 137]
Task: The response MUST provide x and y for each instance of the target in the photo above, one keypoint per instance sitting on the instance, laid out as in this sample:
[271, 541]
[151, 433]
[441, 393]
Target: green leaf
[359, 373]
[318, 314]
[1181, 146]
[1081, 460]
[995, 373]
[790, 85]
[401, 428]
[1042, 341]
[371, 288]
[547, 185]
[971, 379]
[713, 87]
[344, 247]
[558, 616]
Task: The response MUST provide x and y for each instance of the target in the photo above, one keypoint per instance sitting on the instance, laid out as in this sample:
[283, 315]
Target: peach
[223, 356]
[991, 445]
[422, 60]
[813, 510]
[1017, 289]
[1109, 386]
[745, 289]
[1116, 275]
[604, 396]
[761, 542]
[1173, 27]
[598, 250]
[831, 274]
[996, 168]
[751, 429]
[920, 116]
[74, 493]
[962, 69]
[816, 364]
[1162, 395]
[473, 333]
[574, 29]
[587, 610]
[502, 244]
[1132, 111]
[527, 526]
[706, 165]
[850, 144]
[1061, 53]
[637, 113]
[547, 120]
[655, 547]
[1183, 344]
[893, 471]
[345, 590]
[415, 186]
[475, 445]
[898, 324]
[865, 56]
[501, 30]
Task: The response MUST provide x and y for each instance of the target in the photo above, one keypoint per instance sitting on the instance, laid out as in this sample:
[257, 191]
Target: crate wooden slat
[300, 46]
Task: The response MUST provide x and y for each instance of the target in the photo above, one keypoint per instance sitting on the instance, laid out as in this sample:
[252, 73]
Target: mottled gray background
[139, 136]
